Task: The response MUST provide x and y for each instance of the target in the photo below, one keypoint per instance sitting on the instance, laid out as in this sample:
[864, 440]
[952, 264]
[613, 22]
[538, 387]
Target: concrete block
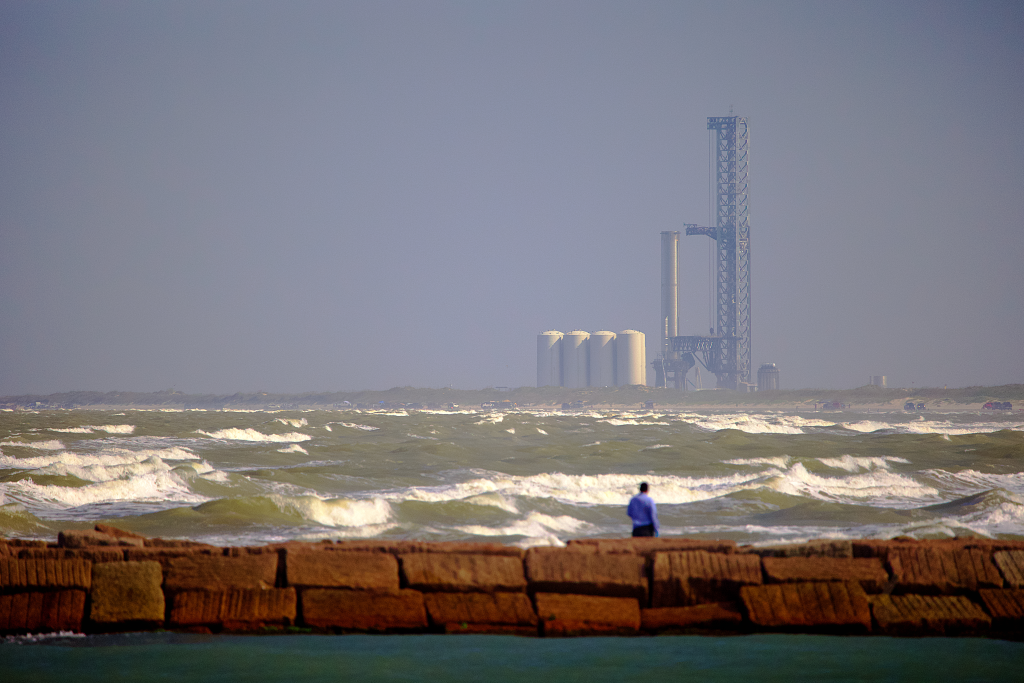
[841, 548]
[867, 571]
[37, 612]
[85, 538]
[333, 569]
[210, 572]
[585, 615]
[1011, 565]
[648, 546]
[463, 573]
[697, 576]
[1006, 605]
[827, 607]
[236, 609]
[928, 570]
[126, 592]
[482, 612]
[716, 615]
[923, 615]
[349, 610]
[93, 554]
[29, 574]
[608, 575]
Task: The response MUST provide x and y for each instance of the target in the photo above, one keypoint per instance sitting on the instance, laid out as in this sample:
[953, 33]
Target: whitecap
[238, 434]
[294, 448]
[336, 512]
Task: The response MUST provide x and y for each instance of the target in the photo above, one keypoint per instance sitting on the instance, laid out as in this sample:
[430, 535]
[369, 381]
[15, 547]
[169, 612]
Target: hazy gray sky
[325, 196]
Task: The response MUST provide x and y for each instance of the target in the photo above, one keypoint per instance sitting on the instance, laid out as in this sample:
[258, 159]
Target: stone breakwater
[108, 580]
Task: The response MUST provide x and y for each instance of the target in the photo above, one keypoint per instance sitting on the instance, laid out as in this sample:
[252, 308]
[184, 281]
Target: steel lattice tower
[733, 238]
[727, 351]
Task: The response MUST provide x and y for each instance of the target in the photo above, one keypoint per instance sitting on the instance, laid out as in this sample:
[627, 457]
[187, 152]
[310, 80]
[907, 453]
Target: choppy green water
[523, 477]
[155, 657]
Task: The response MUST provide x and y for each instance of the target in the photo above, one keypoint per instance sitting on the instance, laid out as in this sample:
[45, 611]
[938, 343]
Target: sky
[220, 197]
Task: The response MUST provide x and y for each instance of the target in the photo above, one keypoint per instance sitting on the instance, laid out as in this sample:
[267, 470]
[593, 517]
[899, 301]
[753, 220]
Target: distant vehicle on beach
[997, 405]
[909, 405]
[832, 405]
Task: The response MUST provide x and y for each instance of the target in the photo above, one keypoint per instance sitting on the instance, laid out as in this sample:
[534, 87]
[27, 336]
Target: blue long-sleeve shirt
[643, 511]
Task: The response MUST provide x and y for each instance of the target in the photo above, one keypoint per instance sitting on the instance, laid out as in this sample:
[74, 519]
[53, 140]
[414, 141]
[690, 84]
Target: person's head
[643, 487]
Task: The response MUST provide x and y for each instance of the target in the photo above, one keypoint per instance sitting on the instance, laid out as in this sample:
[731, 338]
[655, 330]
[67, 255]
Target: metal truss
[729, 357]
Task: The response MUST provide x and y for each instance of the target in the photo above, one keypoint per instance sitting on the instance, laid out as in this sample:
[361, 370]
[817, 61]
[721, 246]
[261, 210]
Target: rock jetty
[108, 580]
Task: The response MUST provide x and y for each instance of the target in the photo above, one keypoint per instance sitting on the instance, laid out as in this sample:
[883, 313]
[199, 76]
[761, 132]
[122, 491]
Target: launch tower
[726, 350]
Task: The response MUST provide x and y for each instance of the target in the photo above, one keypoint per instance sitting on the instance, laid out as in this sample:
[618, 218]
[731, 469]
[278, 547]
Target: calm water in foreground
[159, 657]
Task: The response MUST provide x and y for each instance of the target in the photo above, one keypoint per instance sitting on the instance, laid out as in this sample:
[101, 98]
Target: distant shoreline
[867, 398]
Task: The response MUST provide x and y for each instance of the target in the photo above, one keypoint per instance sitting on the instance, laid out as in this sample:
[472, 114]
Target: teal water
[525, 477]
[167, 657]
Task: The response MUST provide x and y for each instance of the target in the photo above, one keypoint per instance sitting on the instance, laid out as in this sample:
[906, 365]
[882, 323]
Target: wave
[154, 486]
[352, 425]
[292, 422]
[881, 488]
[294, 448]
[586, 489]
[754, 423]
[620, 422]
[856, 464]
[89, 429]
[780, 461]
[335, 512]
[112, 458]
[536, 528]
[50, 445]
[238, 434]
[922, 426]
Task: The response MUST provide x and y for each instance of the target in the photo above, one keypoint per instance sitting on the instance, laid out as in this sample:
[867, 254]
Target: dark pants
[645, 530]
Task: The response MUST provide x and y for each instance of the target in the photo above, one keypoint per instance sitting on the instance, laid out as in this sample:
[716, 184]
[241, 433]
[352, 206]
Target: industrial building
[580, 359]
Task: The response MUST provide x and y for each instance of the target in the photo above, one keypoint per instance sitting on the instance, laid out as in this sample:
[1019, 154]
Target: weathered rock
[509, 613]
[919, 615]
[36, 612]
[176, 543]
[717, 615]
[867, 571]
[29, 574]
[165, 555]
[239, 609]
[929, 570]
[610, 575]
[812, 549]
[118, 533]
[84, 538]
[1011, 564]
[94, 554]
[356, 570]
[1005, 605]
[210, 572]
[697, 576]
[126, 592]
[583, 615]
[648, 546]
[814, 606]
[349, 610]
[457, 572]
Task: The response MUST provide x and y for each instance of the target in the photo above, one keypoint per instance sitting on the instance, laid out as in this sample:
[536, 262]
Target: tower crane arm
[692, 229]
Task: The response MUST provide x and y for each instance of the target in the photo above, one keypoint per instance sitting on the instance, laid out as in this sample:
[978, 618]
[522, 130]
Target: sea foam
[238, 434]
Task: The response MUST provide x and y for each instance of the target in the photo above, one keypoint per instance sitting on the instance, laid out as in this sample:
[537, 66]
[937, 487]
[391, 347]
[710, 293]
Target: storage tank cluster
[591, 359]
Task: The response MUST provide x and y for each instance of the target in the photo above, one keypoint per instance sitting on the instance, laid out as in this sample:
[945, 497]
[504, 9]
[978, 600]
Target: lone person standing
[644, 513]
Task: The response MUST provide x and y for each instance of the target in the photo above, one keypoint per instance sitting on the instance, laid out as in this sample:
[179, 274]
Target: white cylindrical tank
[630, 358]
[549, 359]
[574, 359]
[602, 359]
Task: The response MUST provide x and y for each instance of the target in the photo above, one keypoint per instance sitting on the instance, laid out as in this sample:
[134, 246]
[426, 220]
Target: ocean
[528, 477]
